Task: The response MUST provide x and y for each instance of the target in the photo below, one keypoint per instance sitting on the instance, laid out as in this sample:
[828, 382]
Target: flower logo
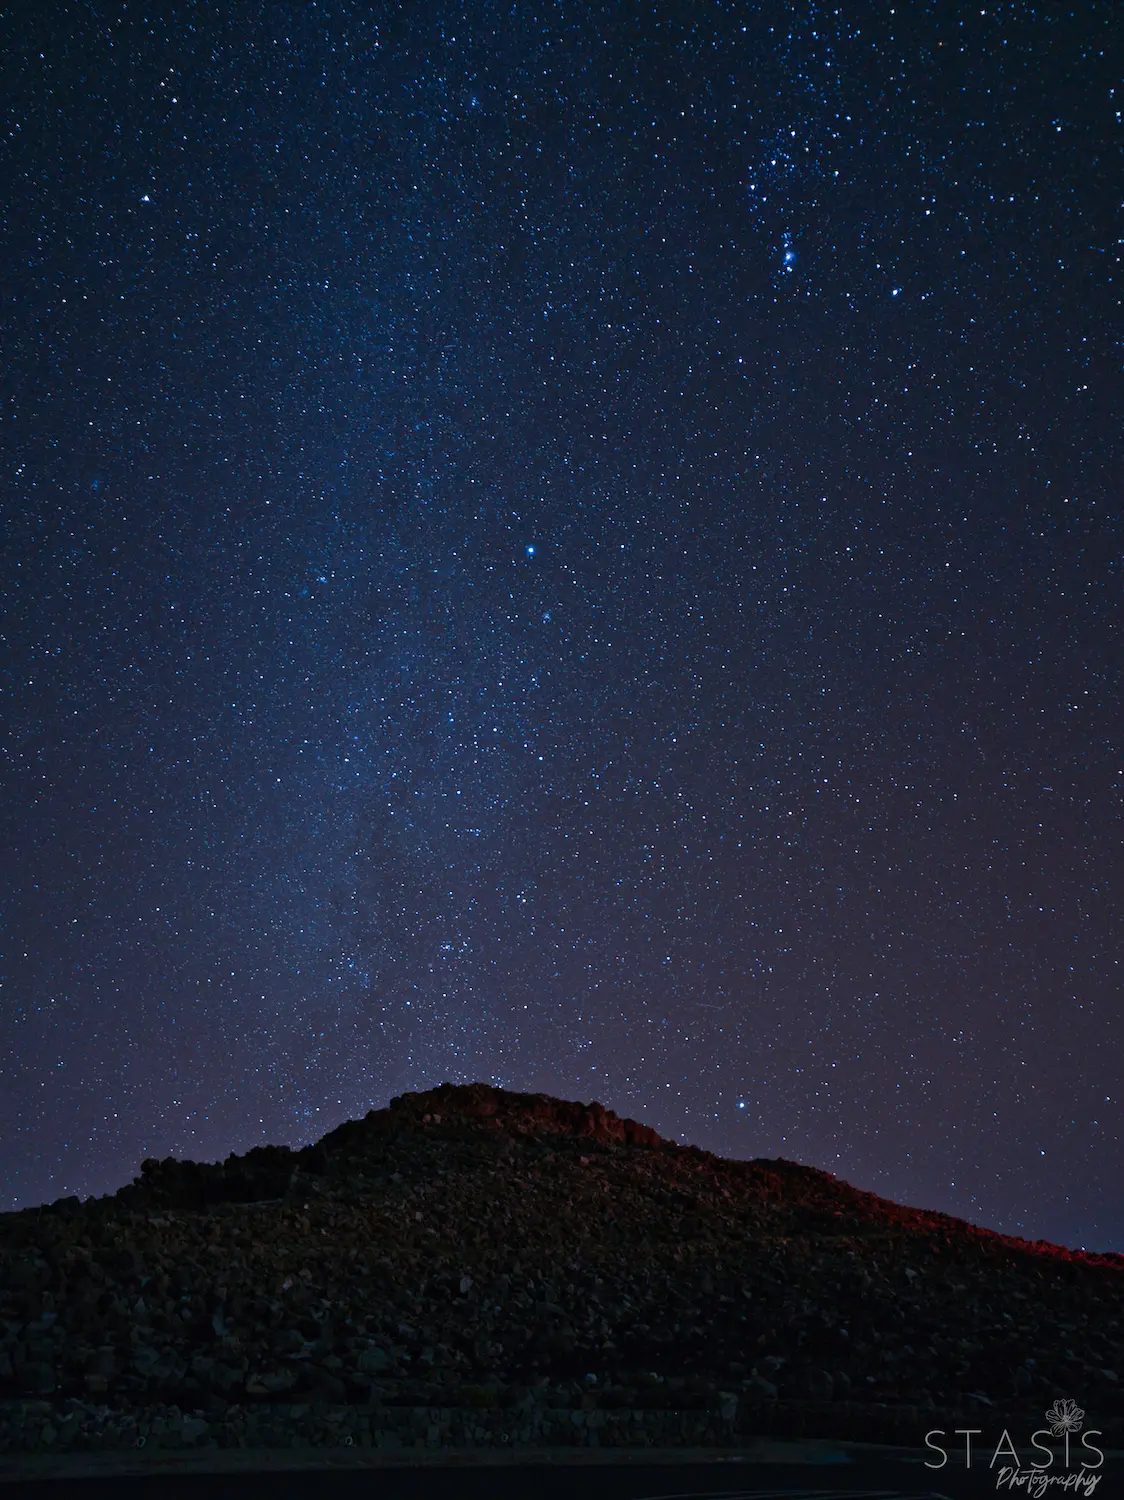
[1065, 1416]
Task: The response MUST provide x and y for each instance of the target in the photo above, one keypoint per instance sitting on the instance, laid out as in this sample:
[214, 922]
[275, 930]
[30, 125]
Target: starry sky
[569, 545]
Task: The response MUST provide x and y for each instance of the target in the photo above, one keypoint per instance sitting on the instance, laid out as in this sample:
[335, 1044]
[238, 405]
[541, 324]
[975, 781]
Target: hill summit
[535, 1271]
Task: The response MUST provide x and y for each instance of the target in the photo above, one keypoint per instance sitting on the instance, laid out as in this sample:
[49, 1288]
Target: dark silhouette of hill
[514, 1257]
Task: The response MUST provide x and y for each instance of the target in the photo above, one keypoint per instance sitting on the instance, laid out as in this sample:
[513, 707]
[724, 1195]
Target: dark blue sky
[572, 546]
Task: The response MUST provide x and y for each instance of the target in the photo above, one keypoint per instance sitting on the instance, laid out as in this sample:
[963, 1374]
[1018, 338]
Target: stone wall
[30, 1426]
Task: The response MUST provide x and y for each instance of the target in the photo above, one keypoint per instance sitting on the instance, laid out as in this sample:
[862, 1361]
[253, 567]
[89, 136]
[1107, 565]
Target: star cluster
[578, 547]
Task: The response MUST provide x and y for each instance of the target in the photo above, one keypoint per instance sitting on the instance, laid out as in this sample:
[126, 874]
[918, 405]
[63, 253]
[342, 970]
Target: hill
[471, 1265]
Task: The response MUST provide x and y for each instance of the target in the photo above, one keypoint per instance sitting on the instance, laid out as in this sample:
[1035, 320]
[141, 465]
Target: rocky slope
[471, 1265]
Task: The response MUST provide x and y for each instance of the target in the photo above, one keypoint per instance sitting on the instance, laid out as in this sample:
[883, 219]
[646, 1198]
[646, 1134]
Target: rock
[758, 1386]
[225, 1377]
[329, 1386]
[102, 1362]
[36, 1377]
[817, 1385]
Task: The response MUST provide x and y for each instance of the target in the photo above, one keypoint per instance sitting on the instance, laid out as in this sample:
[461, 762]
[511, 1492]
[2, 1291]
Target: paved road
[879, 1480]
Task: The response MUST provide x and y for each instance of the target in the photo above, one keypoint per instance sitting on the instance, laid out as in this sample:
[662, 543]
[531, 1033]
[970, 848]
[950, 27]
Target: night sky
[575, 546]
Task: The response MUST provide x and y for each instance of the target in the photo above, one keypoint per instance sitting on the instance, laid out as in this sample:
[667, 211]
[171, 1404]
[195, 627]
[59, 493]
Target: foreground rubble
[476, 1267]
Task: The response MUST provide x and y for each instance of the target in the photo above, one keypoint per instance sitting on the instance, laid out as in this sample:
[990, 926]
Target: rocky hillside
[531, 1270]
